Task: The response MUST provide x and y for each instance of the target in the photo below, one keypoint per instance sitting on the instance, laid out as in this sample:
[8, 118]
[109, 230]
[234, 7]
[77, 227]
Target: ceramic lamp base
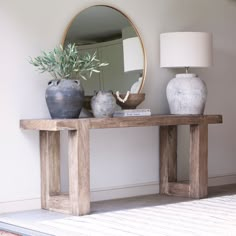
[186, 94]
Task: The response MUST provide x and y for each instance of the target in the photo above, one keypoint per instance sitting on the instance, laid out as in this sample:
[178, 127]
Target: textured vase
[186, 94]
[64, 98]
[103, 104]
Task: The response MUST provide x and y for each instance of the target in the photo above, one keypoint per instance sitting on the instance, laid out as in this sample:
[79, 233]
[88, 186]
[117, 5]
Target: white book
[132, 112]
[129, 115]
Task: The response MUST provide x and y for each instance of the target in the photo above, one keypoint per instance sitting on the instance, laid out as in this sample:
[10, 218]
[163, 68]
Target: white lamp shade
[186, 49]
[133, 54]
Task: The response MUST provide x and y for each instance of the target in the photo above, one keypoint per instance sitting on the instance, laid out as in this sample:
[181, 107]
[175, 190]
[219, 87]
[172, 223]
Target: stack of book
[132, 112]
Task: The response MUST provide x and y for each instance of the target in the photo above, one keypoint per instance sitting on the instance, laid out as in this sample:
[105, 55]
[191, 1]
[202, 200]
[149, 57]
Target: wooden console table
[78, 200]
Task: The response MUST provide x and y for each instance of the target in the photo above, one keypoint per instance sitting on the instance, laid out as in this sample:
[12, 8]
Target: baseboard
[109, 193]
[20, 205]
[148, 188]
[124, 191]
[222, 180]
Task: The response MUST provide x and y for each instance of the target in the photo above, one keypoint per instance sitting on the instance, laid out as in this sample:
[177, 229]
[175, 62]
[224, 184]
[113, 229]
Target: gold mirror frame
[131, 24]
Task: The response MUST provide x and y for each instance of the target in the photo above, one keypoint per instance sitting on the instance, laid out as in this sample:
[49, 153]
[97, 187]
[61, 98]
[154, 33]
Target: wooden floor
[27, 223]
[155, 200]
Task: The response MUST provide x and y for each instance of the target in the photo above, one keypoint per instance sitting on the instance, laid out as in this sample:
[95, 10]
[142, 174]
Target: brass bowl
[132, 102]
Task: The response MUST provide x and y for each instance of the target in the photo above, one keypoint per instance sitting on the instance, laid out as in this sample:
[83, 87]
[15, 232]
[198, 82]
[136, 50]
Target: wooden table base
[198, 183]
[77, 202]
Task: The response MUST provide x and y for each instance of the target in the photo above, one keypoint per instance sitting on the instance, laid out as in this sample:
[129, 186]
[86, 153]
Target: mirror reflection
[112, 36]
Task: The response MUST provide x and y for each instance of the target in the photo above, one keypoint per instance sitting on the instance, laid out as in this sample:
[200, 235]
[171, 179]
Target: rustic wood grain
[50, 165]
[155, 120]
[141, 121]
[179, 189]
[60, 203]
[49, 124]
[172, 160]
[79, 169]
[198, 160]
[168, 157]
[54, 162]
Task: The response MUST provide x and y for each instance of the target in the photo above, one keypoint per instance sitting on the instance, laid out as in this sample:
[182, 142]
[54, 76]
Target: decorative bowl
[132, 102]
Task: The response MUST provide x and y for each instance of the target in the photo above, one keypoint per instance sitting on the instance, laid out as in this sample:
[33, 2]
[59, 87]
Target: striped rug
[214, 216]
[206, 217]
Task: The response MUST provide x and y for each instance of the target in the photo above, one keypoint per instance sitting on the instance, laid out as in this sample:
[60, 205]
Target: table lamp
[133, 61]
[186, 93]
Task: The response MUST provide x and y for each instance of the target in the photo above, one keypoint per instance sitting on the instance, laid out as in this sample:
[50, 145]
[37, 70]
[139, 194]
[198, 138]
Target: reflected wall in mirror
[109, 33]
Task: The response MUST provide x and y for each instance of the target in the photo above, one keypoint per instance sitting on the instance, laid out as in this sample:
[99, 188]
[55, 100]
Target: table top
[118, 122]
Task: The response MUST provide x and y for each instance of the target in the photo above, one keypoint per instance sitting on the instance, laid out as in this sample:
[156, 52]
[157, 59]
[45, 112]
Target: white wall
[126, 160]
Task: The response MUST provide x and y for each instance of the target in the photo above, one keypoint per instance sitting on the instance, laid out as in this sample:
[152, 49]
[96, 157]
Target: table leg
[198, 160]
[168, 157]
[79, 169]
[50, 165]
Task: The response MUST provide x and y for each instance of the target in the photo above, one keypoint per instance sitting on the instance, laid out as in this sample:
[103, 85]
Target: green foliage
[67, 63]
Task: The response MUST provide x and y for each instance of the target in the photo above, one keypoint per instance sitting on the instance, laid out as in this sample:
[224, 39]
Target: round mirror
[112, 36]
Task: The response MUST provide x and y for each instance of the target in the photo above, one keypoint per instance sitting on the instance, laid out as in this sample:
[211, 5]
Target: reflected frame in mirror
[131, 24]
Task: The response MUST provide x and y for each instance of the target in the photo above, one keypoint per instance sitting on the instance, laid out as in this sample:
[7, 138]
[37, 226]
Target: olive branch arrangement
[67, 63]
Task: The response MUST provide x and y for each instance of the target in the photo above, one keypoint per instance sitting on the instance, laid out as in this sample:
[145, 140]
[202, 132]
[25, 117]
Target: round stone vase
[103, 104]
[64, 98]
[186, 94]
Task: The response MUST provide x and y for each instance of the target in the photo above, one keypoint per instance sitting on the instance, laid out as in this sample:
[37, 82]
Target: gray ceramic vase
[103, 104]
[186, 95]
[64, 98]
